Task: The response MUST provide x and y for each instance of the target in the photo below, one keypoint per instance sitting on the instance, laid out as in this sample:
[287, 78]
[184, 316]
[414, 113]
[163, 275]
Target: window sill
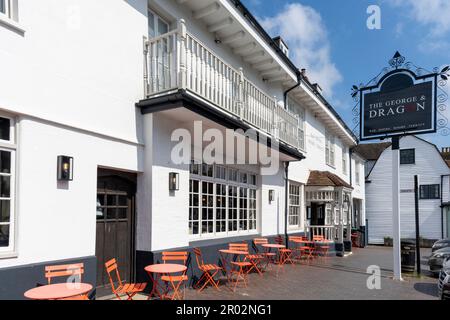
[9, 23]
[8, 255]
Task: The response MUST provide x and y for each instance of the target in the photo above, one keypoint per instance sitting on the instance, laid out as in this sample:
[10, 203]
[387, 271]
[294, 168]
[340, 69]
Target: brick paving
[334, 279]
[337, 278]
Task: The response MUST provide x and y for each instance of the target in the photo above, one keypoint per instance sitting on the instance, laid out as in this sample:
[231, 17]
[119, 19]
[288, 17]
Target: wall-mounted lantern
[271, 195]
[65, 168]
[174, 183]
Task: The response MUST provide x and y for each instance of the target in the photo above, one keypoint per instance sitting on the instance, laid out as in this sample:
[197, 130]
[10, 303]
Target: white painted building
[107, 83]
[418, 157]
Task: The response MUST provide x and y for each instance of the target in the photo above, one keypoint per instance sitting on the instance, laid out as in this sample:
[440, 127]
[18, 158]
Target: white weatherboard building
[107, 83]
[417, 157]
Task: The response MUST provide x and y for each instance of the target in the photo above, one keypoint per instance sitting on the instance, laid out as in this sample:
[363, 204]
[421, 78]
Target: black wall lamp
[271, 195]
[174, 183]
[65, 168]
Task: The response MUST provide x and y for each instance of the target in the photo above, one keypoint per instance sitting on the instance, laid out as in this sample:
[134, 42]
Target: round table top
[228, 251]
[165, 268]
[58, 291]
[273, 245]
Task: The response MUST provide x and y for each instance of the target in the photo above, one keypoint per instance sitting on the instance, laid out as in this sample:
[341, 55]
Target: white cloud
[303, 30]
[432, 13]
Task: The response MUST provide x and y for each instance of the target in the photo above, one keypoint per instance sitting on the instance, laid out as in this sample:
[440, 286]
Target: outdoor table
[58, 291]
[164, 269]
[270, 246]
[310, 245]
[224, 253]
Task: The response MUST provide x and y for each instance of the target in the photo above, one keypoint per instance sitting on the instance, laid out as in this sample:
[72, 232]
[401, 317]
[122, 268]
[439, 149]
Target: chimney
[282, 45]
[317, 87]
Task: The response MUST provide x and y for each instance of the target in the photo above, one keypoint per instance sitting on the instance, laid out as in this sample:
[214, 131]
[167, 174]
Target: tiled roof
[326, 179]
[446, 157]
[371, 151]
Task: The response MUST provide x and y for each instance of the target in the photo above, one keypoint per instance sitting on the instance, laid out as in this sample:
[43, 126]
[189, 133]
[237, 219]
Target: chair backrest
[180, 257]
[64, 270]
[198, 257]
[279, 240]
[260, 241]
[238, 246]
[113, 269]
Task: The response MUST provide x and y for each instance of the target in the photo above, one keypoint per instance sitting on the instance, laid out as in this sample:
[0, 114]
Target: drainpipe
[442, 204]
[286, 201]
[286, 165]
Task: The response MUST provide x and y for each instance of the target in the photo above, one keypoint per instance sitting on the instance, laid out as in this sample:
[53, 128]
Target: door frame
[131, 180]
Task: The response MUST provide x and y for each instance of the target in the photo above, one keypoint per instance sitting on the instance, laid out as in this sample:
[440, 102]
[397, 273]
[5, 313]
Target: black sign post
[416, 205]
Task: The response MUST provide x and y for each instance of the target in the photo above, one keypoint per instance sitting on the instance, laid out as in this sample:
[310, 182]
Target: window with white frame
[344, 161]
[7, 184]
[156, 25]
[298, 110]
[9, 9]
[222, 201]
[294, 205]
[329, 149]
[357, 173]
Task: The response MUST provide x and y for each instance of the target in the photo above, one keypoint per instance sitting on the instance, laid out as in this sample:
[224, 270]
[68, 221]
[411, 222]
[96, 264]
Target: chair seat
[286, 250]
[210, 267]
[174, 278]
[270, 254]
[131, 288]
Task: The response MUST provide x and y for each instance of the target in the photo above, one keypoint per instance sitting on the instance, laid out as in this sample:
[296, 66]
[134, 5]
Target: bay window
[222, 201]
[7, 185]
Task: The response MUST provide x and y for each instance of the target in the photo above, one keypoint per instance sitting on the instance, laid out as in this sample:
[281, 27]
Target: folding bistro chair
[285, 254]
[296, 252]
[66, 270]
[176, 281]
[128, 289]
[240, 268]
[255, 259]
[209, 271]
[268, 257]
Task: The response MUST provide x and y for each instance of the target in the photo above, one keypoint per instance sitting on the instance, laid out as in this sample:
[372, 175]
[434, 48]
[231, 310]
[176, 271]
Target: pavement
[334, 278]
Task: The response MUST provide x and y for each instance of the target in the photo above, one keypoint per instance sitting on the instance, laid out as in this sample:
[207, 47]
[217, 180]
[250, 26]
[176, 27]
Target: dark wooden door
[317, 214]
[115, 228]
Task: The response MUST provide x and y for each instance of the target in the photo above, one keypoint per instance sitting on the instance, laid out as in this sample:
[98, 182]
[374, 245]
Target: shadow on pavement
[427, 288]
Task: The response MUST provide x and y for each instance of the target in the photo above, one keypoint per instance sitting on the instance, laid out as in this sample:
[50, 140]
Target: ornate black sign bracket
[398, 65]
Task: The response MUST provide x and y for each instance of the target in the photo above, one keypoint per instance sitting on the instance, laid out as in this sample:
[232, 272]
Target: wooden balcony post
[181, 48]
[240, 97]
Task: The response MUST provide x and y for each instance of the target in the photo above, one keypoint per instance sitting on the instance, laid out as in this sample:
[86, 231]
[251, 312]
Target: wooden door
[115, 228]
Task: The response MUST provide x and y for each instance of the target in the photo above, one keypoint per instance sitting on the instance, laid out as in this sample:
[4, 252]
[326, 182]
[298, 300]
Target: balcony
[177, 60]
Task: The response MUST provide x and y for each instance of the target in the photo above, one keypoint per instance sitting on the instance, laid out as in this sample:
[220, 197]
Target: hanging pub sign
[400, 103]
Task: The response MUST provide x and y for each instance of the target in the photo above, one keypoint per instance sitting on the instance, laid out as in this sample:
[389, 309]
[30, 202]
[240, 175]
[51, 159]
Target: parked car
[444, 281]
[440, 244]
[437, 259]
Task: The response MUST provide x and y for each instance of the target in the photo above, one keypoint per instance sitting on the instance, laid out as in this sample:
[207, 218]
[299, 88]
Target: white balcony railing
[177, 60]
[328, 232]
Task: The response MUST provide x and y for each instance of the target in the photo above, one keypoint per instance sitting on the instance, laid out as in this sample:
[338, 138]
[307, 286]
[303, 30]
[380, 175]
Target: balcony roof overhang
[183, 99]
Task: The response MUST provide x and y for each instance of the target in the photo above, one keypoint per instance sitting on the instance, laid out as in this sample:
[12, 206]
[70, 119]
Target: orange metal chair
[209, 271]
[66, 270]
[177, 281]
[296, 250]
[269, 257]
[285, 254]
[254, 259]
[240, 268]
[128, 289]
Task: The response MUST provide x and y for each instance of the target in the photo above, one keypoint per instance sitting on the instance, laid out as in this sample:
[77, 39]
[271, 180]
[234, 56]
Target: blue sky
[331, 39]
